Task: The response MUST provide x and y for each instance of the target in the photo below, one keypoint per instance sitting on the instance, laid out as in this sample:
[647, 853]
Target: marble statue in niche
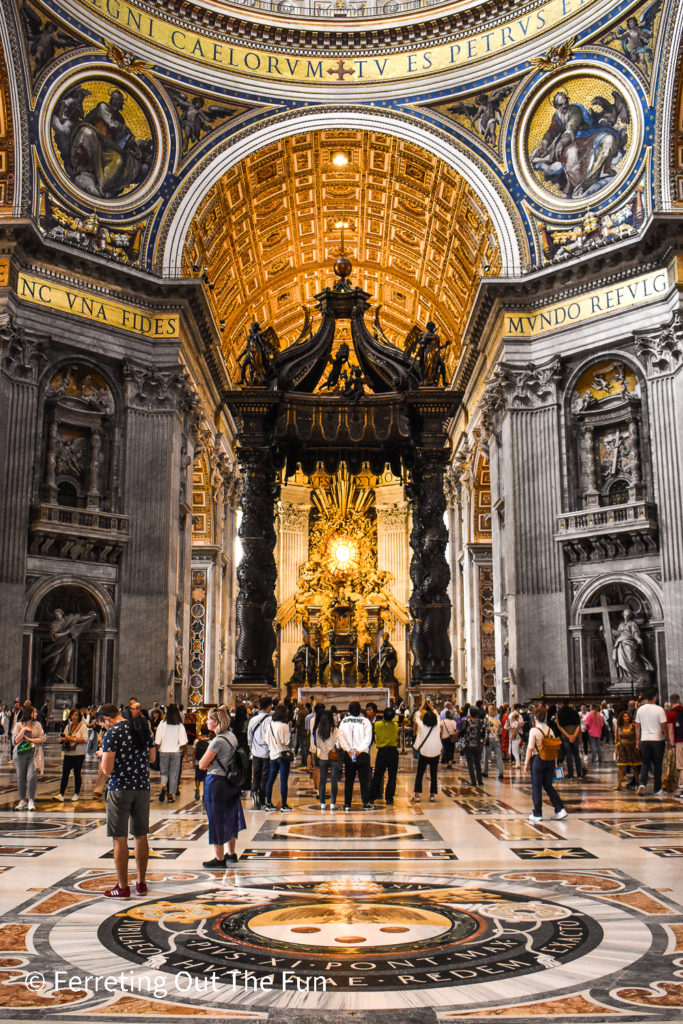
[78, 459]
[627, 652]
[103, 139]
[58, 651]
[576, 152]
[607, 434]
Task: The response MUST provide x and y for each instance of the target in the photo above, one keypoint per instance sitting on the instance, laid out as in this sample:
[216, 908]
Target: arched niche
[609, 656]
[69, 642]
[608, 445]
[79, 465]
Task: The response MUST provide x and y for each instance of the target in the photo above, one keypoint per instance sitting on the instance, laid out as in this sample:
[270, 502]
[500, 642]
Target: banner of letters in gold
[89, 306]
[350, 70]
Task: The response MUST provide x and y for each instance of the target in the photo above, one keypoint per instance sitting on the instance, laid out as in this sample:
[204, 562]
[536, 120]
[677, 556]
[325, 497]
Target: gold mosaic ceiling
[267, 234]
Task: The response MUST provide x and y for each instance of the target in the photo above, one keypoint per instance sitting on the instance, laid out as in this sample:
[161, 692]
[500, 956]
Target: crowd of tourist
[243, 751]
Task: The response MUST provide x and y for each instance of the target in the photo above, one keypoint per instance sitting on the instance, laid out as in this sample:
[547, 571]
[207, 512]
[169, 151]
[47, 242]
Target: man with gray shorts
[126, 753]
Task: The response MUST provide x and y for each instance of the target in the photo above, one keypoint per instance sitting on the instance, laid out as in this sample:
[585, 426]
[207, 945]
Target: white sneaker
[322, 807]
[74, 798]
[21, 806]
[641, 790]
[535, 818]
[60, 798]
[31, 805]
[559, 815]
[333, 807]
[660, 792]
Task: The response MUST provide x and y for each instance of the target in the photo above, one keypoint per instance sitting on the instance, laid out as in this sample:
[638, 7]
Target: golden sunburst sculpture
[342, 563]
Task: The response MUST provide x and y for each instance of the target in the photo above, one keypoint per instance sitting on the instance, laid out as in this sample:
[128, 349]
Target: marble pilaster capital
[392, 517]
[294, 518]
[152, 389]
[517, 389]
[662, 350]
[21, 353]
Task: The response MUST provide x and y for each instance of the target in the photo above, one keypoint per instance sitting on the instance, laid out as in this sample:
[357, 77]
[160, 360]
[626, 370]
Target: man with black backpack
[260, 753]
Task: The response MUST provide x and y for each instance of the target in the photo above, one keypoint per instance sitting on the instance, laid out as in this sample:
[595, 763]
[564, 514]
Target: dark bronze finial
[342, 267]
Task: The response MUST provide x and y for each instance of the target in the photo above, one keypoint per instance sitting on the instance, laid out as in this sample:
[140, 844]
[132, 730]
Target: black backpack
[238, 772]
[474, 733]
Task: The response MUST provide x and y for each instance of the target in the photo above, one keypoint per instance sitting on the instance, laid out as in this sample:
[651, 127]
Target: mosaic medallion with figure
[580, 139]
[102, 138]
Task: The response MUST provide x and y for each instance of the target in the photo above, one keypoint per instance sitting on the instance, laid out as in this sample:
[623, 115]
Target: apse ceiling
[267, 235]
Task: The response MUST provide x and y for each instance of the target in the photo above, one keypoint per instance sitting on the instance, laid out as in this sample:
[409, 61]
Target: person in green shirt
[386, 741]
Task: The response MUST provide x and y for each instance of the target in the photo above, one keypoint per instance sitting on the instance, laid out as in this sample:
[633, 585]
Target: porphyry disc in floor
[374, 942]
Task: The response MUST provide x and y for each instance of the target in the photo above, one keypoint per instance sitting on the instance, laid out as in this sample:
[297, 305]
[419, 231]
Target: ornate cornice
[662, 350]
[519, 389]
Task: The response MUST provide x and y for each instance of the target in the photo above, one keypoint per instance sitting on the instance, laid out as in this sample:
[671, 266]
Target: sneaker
[74, 798]
[347, 808]
[162, 796]
[214, 863]
[60, 797]
[322, 807]
[268, 807]
[559, 815]
[171, 798]
[415, 799]
[432, 799]
[368, 807]
[31, 805]
[21, 806]
[119, 892]
[141, 888]
[333, 807]
[232, 857]
[196, 796]
[535, 818]
[285, 807]
[641, 790]
[660, 792]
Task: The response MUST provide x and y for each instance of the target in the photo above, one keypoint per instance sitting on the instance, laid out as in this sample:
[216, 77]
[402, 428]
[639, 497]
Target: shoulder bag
[416, 750]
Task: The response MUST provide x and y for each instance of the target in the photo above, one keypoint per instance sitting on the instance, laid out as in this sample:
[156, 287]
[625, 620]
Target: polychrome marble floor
[460, 910]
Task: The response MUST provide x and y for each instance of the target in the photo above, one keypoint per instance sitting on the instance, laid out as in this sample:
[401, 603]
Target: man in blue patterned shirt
[126, 752]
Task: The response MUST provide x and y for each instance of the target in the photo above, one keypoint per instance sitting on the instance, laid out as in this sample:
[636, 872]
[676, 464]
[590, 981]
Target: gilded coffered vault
[268, 232]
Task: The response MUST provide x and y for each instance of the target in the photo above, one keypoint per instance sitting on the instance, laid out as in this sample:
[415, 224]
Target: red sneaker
[119, 892]
[141, 888]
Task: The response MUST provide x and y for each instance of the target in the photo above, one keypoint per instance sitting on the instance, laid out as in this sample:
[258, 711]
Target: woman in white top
[277, 738]
[73, 741]
[171, 739]
[515, 725]
[326, 739]
[449, 734]
[428, 745]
